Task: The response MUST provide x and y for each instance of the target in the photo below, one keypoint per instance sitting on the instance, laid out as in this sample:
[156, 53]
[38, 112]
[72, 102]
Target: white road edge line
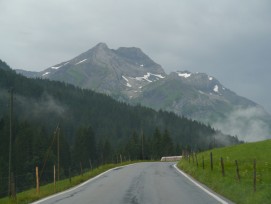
[80, 185]
[200, 186]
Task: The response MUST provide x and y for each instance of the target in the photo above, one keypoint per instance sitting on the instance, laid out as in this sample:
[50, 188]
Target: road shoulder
[207, 190]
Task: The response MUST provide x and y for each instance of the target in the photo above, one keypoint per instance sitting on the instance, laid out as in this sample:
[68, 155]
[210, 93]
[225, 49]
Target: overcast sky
[227, 39]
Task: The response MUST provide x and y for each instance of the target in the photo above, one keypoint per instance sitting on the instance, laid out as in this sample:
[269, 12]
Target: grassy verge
[46, 190]
[229, 186]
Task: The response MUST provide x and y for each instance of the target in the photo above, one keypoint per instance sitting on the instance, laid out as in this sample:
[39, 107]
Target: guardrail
[171, 158]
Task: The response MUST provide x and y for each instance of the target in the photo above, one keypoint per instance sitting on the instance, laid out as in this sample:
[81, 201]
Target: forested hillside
[92, 126]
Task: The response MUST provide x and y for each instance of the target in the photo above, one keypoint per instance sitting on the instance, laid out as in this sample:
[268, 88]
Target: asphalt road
[142, 183]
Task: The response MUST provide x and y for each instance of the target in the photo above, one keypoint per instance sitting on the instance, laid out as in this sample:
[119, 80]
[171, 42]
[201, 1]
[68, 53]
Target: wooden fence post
[54, 177]
[70, 178]
[197, 160]
[81, 168]
[202, 162]
[90, 164]
[13, 188]
[222, 166]
[37, 180]
[254, 175]
[211, 161]
[237, 170]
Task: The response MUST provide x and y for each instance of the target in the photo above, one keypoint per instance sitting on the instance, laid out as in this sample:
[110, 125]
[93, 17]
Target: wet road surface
[142, 183]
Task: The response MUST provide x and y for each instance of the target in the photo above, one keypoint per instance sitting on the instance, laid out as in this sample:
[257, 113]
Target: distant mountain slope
[127, 74]
[4, 66]
[203, 98]
[47, 103]
[192, 94]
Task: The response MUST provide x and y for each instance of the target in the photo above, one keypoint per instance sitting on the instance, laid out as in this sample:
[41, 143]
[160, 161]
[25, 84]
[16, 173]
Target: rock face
[194, 95]
[120, 73]
[129, 75]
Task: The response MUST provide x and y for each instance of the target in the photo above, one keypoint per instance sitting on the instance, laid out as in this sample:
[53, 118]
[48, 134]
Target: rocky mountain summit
[120, 73]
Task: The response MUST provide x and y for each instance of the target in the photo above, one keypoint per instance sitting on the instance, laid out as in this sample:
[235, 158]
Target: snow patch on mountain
[65, 64]
[184, 74]
[81, 61]
[146, 77]
[210, 78]
[129, 85]
[158, 75]
[57, 67]
[216, 89]
[46, 73]
[125, 78]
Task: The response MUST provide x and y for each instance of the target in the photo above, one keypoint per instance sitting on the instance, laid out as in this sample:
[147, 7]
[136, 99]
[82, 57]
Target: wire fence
[250, 174]
[22, 182]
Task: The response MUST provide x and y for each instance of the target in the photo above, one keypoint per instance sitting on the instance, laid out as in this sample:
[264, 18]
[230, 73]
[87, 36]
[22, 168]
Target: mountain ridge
[129, 75]
[47, 103]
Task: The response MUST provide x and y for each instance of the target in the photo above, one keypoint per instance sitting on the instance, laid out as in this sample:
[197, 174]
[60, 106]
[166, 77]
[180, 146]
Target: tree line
[94, 128]
[33, 146]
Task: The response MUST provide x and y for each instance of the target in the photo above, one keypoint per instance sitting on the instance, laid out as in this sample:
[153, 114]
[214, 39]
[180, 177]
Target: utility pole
[142, 144]
[56, 133]
[58, 167]
[10, 142]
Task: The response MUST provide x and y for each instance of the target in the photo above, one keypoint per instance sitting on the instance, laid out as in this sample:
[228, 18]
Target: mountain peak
[99, 49]
[138, 57]
[101, 45]
[132, 53]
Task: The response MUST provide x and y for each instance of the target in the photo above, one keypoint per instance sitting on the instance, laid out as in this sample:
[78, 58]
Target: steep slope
[192, 93]
[4, 66]
[203, 98]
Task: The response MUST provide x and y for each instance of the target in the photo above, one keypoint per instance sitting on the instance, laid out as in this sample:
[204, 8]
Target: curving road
[142, 183]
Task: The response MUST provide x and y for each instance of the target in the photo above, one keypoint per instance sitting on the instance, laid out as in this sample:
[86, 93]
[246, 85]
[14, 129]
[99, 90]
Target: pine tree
[168, 147]
[84, 146]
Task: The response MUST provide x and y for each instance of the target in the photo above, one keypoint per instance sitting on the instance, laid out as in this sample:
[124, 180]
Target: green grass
[46, 190]
[229, 186]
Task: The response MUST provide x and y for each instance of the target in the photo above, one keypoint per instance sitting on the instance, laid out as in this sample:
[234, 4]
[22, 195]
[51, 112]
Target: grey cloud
[246, 124]
[48, 104]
